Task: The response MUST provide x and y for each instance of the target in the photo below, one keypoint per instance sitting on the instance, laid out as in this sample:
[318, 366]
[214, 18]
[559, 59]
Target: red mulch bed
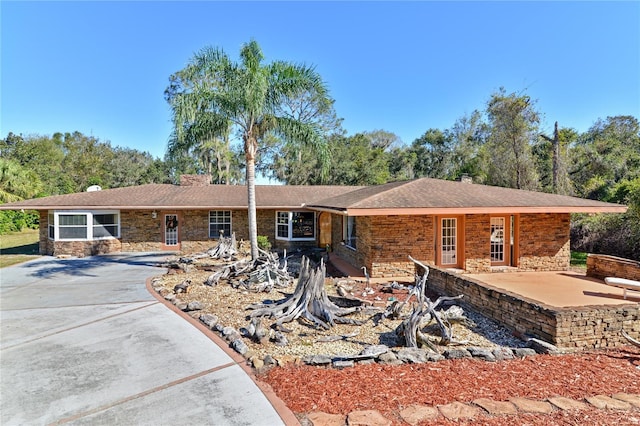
[389, 389]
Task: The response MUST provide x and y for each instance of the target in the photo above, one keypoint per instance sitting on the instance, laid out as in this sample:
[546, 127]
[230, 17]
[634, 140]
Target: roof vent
[94, 188]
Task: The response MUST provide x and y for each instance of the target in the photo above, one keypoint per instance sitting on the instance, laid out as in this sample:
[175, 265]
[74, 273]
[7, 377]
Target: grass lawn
[18, 247]
[579, 259]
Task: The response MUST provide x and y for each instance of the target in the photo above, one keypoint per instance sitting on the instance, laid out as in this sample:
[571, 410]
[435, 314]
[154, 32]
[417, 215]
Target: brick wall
[390, 240]
[544, 242]
[477, 231]
[568, 328]
[385, 242]
[195, 180]
[601, 266]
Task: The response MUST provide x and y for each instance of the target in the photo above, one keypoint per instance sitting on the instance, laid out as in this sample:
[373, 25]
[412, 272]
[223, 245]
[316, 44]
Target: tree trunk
[250, 151]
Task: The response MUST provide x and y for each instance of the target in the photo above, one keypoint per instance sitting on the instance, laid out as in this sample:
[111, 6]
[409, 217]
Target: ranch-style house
[456, 225]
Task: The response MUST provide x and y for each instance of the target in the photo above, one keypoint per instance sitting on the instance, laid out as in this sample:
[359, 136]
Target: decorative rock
[567, 403]
[458, 410]
[542, 347]
[218, 327]
[631, 399]
[342, 364]
[367, 418]
[317, 359]
[416, 414]
[388, 357]
[325, 419]
[269, 360]
[482, 353]
[209, 320]
[280, 339]
[287, 359]
[375, 350]
[181, 305]
[532, 406]
[170, 297]
[523, 352]
[239, 346]
[367, 361]
[230, 333]
[412, 355]
[496, 408]
[434, 357]
[500, 354]
[606, 402]
[194, 306]
[459, 353]
[257, 363]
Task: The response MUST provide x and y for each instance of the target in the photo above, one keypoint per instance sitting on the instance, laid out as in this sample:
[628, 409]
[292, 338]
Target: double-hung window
[296, 226]
[219, 223]
[84, 225]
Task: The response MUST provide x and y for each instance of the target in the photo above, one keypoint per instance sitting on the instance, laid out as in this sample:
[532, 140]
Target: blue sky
[101, 67]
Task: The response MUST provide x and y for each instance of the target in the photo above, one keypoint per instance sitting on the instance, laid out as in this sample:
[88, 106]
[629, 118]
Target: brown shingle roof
[423, 196]
[420, 196]
[157, 196]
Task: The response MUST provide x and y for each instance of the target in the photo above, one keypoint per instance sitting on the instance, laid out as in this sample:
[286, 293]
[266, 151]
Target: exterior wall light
[154, 215]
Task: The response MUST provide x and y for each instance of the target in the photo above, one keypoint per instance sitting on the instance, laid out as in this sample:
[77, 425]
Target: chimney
[195, 180]
[465, 178]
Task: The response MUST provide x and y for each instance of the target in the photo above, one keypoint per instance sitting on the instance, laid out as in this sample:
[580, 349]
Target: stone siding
[601, 266]
[544, 242]
[390, 240]
[477, 232]
[384, 243]
[567, 328]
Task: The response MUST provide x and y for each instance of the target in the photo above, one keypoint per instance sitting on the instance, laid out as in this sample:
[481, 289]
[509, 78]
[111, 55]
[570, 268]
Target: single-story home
[451, 224]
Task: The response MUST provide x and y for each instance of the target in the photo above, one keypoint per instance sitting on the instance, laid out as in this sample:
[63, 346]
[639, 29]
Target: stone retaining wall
[601, 266]
[567, 328]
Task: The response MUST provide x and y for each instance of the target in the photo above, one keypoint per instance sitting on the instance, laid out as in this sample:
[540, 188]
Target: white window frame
[88, 226]
[349, 230]
[223, 222]
[285, 221]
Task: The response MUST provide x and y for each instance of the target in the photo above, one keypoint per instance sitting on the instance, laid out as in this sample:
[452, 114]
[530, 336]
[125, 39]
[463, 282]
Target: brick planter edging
[567, 328]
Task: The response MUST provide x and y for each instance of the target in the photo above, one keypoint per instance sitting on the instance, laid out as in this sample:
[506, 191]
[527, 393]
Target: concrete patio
[559, 289]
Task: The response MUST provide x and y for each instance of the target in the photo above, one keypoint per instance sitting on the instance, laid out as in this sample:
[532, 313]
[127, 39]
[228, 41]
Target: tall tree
[551, 154]
[513, 126]
[468, 137]
[606, 154]
[249, 94]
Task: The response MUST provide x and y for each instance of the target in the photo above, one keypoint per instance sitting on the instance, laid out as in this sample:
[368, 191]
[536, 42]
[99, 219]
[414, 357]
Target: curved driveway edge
[84, 342]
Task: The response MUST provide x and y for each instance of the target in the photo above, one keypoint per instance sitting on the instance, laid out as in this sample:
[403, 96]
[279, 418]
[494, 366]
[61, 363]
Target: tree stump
[424, 310]
[309, 301]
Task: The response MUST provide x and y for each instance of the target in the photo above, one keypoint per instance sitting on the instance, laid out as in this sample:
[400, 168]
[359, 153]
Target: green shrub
[264, 243]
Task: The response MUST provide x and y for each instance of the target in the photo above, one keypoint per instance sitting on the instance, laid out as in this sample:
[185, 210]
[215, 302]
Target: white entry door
[449, 241]
[171, 228]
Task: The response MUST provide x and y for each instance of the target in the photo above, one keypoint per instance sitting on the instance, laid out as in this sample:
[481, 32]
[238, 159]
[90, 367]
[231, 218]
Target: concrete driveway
[83, 342]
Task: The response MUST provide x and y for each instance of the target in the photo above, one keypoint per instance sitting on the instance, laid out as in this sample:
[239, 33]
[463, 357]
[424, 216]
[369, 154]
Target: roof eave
[472, 210]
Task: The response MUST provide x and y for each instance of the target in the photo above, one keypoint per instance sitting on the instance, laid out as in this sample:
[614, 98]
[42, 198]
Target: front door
[500, 240]
[448, 245]
[324, 221]
[171, 232]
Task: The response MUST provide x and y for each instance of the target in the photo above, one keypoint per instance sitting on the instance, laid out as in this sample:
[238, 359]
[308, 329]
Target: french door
[500, 240]
[449, 251]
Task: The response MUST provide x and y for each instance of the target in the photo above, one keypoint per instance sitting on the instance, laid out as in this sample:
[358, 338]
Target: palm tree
[213, 91]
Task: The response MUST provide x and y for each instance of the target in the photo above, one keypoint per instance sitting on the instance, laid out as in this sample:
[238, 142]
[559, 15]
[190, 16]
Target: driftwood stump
[309, 301]
[424, 311]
